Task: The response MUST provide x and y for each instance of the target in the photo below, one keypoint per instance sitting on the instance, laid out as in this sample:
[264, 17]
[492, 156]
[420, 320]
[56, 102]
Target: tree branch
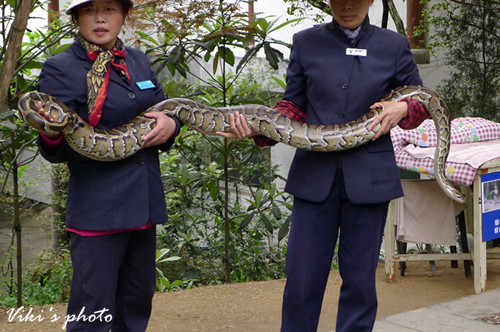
[15, 39]
[465, 3]
[321, 5]
[400, 27]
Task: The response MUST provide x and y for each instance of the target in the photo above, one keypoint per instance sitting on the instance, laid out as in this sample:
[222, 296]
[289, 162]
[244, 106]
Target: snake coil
[125, 140]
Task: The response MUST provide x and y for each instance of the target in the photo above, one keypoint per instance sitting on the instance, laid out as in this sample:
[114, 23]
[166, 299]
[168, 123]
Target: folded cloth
[425, 214]
[414, 152]
[474, 154]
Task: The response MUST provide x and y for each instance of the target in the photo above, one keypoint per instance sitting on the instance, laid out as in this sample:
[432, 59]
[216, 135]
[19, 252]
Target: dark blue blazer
[108, 195]
[335, 88]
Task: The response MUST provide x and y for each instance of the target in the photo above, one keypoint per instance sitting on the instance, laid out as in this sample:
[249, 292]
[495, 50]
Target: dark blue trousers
[114, 279]
[313, 234]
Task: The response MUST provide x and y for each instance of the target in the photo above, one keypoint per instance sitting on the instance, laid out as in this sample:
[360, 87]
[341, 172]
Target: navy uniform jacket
[335, 88]
[108, 195]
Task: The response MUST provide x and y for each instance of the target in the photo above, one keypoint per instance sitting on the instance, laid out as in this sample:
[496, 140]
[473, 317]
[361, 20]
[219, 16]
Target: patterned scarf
[98, 75]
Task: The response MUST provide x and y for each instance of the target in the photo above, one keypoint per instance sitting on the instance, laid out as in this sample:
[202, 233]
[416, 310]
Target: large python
[124, 141]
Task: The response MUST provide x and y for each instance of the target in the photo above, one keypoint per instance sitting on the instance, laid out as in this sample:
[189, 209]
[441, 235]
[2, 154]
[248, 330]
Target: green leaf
[281, 83]
[209, 45]
[170, 259]
[213, 189]
[207, 56]
[9, 125]
[276, 211]
[258, 197]
[248, 55]
[215, 64]
[272, 56]
[161, 253]
[227, 55]
[7, 114]
[267, 223]
[285, 228]
[264, 25]
[147, 37]
[248, 218]
[175, 54]
[285, 23]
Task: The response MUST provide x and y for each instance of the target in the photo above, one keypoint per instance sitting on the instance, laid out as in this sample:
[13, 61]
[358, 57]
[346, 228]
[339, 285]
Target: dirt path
[256, 306]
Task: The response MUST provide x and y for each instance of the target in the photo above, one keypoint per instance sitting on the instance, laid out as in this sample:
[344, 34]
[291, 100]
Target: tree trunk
[385, 14]
[17, 232]
[414, 18]
[400, 27]
[14, 39]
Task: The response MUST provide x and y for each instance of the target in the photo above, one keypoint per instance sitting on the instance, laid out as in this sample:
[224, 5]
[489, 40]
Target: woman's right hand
[47, 116]
[239, 128]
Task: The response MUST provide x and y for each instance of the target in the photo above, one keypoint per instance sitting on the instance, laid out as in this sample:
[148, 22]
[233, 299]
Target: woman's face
[349, 14]
[100, 21]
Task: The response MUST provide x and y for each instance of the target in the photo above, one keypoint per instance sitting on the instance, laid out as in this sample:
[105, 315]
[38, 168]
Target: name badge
[144, 85]
[356, 51]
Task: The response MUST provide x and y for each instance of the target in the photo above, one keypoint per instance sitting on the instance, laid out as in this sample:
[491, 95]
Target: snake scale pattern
[124, 141]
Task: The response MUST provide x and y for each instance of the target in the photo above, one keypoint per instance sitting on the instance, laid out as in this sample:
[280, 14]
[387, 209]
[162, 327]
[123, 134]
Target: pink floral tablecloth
[474, 142]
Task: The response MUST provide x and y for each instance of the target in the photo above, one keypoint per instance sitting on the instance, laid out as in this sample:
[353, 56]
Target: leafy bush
[46, 281]
[258, 213]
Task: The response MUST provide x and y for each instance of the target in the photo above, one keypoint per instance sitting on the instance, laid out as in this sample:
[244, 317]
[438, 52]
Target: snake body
[125, 140]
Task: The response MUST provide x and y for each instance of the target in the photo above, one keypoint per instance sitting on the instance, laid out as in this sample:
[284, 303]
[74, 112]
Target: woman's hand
[44, 114]
[392, 113]
[164, 129]
[47, 116]
[239, 128]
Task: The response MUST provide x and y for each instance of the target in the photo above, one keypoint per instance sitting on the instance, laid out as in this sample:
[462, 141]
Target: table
[473, 213]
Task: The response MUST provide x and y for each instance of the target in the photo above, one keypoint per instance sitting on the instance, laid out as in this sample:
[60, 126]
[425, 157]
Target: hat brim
[75, 3]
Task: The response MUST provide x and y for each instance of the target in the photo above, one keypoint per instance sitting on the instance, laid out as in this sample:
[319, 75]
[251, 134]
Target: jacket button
[142, 162]
[131, 95]
[344, 85]
[341, 114]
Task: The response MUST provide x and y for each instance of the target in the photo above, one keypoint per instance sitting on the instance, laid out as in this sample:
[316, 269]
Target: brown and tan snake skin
[124, 141]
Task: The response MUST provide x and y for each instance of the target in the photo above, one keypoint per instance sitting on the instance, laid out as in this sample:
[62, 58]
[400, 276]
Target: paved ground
[479, 312]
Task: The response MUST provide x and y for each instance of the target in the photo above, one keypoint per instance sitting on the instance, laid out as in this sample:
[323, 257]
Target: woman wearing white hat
[112, 207]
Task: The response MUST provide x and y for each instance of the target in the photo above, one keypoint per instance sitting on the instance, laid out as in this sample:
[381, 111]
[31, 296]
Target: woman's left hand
[239, 128]
[164, 129]
[392, 112]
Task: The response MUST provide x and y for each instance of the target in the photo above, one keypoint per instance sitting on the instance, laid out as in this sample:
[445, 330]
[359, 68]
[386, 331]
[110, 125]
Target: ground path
[256, 306]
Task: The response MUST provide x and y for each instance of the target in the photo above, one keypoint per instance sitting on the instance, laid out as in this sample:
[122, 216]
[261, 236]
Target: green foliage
[226, 217]
[46, 281]
[15, 134]
[469, 36]
[259, 218]
[60, 177]
[258, 213]
[162, 282]
[194, 179]
[212, 40]
[304, 8]
[15, 137]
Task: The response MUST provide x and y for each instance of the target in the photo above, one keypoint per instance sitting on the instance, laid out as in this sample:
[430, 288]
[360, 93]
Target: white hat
[75, 3]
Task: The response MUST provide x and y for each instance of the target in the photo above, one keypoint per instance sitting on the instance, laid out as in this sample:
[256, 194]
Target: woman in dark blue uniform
[112, 207]
[337, 71]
